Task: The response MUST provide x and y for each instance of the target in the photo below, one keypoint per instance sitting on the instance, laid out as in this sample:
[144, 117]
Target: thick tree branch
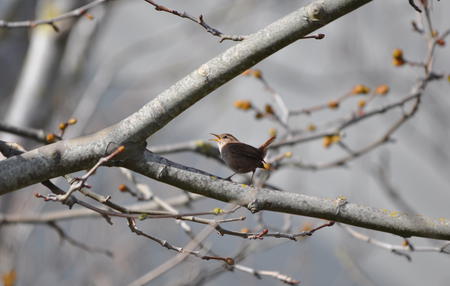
[74, 155]
[395, 222]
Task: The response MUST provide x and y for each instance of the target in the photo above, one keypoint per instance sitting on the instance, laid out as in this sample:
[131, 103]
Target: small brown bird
[241, 157]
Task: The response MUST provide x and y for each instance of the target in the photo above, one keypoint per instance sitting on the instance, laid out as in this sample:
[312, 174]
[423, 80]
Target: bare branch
[52, 21]
[200, 20]
[266, 233]
[64, 236]
[411, 2]
[35, 134]
[275, 274]
[81, 213]
[401, 250]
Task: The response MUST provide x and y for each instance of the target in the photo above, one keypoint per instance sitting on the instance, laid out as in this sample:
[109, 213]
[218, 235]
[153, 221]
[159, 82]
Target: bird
[241, 157]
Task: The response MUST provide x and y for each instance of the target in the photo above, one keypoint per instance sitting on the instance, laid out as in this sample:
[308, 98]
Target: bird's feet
[229, 177]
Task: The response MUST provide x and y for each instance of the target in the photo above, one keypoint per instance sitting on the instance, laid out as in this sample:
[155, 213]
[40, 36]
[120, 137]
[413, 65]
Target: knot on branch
[315, 12]
[254, 206]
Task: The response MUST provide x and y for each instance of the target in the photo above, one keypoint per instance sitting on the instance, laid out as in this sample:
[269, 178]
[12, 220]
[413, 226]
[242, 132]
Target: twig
[200, 20]
[62, 234]
[84, 212]
[52, 21]
[183, 253]
[80, 183]
[35, 134]
[278, 99]
[344, 124]
[275, 274]
[411, 2]
[164, 243]
[309, 110]
[416, 94]
[382, 177]
[397, 249]
[266, 233]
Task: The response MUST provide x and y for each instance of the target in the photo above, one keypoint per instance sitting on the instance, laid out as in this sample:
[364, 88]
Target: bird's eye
[225, 137]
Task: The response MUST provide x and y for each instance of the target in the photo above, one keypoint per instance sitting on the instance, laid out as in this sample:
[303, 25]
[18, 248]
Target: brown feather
[242, 158]
[266, 144]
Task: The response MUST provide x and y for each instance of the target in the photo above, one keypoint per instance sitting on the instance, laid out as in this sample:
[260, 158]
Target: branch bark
[395, 222]
[81, 153]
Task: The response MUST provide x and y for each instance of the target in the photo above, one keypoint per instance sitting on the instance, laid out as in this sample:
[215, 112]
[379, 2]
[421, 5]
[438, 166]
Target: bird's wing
[244, 150]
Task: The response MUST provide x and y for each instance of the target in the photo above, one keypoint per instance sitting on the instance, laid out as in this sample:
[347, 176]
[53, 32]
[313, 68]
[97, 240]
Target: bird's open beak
[215, 139]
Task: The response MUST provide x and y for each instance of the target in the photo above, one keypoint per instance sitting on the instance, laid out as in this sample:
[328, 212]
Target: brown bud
[361, 103]
[245, 230]
[72, 121]
[257, 73]
[89, 16]
[307, 226]
[398, 62]
[247, 72]
[253, 72]
[288, 154]
[382, 89]
[242, 104]
[333, 104]
[397, 54]
[326, 141]
[312, 127]
[63, 126]
[229, 261]
[51, 137]
[9, 278]
[335, 138]
[440, 42]
[122, 188]
[268, 108]
[273, 132]
[360, 89]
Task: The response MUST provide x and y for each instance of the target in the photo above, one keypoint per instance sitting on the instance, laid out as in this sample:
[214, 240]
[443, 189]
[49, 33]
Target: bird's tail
[266, 144]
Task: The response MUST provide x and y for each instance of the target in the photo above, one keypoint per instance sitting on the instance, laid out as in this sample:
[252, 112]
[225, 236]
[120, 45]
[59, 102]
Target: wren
[241, 157]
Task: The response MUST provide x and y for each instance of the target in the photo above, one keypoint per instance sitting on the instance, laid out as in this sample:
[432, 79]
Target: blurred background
[104, 69]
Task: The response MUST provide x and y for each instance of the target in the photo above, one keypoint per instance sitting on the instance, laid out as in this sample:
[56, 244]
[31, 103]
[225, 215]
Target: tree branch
[394, 222]
[77, 154]
[80, 11]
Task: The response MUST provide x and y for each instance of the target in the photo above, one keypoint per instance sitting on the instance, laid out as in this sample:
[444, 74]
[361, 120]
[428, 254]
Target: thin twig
[275, 274]
[266, 233]
[31, 133]
[64, 236]
[397, 249]
[52, 21]
[183, 253]
[199, 20]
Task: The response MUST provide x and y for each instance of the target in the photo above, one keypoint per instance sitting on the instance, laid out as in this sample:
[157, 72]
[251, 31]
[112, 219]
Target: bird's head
[223, 139]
